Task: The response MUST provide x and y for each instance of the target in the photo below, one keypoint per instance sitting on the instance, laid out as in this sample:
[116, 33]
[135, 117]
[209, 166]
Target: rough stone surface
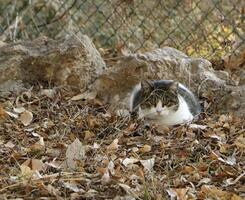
[116, 83]
[73, 61]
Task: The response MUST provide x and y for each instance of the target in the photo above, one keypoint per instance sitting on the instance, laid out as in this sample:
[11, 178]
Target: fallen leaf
[105, 179]
[26, 118]
[12, 114]
[188, 169]
[129, 161]
[75, 152]
[3, 113]
[198, 126]
[73, 187]
[128, 190]
[113, 146]
[96, 146]
[204, 181]
[53, 191]
[86, 96]
[19, 110]
[122, 113]
[9, 144]
[214, 193]
[26, 172]
[148, 164]
[240, 142]
[34, 164]
[48, 92]
[88, 135]
[30, 168]
[146, 148]
[111, 167]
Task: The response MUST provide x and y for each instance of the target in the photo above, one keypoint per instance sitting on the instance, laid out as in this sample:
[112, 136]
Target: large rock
[116, 84]
[73, 61]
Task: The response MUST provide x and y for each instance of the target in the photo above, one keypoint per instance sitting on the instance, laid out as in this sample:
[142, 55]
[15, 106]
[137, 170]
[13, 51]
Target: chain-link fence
[207, 28]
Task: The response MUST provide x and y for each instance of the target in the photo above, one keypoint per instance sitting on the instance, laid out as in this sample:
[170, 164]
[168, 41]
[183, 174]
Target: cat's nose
[159, 111]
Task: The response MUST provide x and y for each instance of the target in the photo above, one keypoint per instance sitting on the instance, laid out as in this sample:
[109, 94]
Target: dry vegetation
[56, 145]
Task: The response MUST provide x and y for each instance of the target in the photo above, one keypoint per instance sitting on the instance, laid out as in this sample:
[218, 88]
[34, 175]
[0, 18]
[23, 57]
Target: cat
[164, 102]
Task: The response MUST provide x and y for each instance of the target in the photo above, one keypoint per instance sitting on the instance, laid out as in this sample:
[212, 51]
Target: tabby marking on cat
[164, 102]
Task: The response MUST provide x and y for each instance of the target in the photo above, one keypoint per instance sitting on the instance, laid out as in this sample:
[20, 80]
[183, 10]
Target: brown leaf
[215, 193]
[113, 146]
[93, 122]
[31, 167]
[86, 95]
[129, 161]
[146, 148]
[188, 170]
[9, 144]
[88, 135]
[240, 142]
[3, 114]
[75, 152]
[34, 164]
[26, 118]
[148, 164]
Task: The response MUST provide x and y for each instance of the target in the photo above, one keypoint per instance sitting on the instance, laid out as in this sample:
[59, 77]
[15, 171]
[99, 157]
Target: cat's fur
[165, 102]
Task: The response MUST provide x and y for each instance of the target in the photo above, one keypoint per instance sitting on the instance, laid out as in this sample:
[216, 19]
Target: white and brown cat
[164, 102]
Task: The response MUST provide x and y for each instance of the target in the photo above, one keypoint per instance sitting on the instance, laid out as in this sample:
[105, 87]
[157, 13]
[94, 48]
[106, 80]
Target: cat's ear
[146, 86]
[174, 87]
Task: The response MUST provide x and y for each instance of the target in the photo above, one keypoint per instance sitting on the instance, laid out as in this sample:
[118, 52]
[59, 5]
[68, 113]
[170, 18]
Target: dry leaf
[75, 152]
[48, 92]
[111, 167]
[96, 146]
[73, 187]
[122, 113]
[146, 148]
[188, 170]
[2, 113]
[240, 142]
[215, 193]
[26, 118]
[148, 164]
[26, 172]
[198, 126]
[9, 144]
[204, 181]
[31, 167]
[88, 135]
[86, 96]
[19, 110]
[12, 114]
[129, 161]
[53, 191]
[34, 164]
[105, 179]
[113, 146]
[128, 189]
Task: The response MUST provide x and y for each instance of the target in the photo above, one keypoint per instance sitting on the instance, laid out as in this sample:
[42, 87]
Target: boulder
[72, 61]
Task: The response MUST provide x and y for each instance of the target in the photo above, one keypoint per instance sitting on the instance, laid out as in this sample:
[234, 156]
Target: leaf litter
[55, 144]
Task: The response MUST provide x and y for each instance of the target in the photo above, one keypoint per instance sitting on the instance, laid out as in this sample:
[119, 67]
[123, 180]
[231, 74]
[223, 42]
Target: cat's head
[156, 98]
